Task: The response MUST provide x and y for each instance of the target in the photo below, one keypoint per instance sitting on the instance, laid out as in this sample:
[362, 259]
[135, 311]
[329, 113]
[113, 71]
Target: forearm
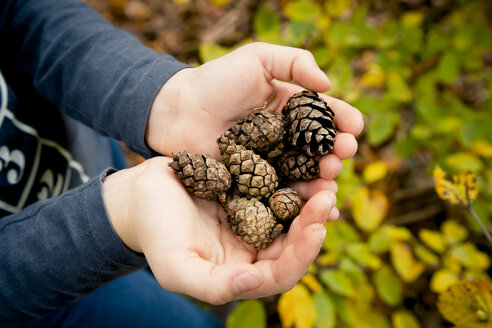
[72, 56]
[58, 250]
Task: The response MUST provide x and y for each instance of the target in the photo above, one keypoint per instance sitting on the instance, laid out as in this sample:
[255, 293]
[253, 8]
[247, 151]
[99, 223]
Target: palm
[187, 240]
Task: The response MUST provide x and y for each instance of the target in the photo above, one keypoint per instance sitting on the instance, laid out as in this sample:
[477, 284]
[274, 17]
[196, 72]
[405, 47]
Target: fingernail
[246, 281]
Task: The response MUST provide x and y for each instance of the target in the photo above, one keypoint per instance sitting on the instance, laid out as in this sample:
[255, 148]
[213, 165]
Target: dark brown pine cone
[309, 123]
[203, 176]
[296, 166]
[261, 131]
[253, 222]
[285, 203]
[254, 176]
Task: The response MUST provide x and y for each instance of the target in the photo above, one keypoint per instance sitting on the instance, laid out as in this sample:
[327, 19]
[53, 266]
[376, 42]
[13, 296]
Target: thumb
[291, 65]
[212, 283]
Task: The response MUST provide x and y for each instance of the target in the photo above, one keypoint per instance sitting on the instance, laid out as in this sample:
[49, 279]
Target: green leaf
[433, 239]
[404, 319]
[381, 127]
[302, 11]
[453, 232]
[448, 68]
[249, 313]
[442, 279]
[361, 253]
[388, 286]
[463, 161]
[339, 234]
[325, 309]
[265, 20]
[425, 255]
[468, 255]
[407, 267]
[338, 282]
[381, 240]
[354, 271]
[322, 56]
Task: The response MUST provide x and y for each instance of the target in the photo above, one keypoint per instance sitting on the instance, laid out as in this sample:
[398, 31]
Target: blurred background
[420, 72]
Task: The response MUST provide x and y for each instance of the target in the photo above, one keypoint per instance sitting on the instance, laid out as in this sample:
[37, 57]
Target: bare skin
[187, 244]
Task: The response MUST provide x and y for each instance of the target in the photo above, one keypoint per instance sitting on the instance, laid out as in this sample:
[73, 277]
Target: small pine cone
[261, 131]
[309, 123]
[255, 177]
[203, 176]
[297, 166]
[285, 204]
[253, 222]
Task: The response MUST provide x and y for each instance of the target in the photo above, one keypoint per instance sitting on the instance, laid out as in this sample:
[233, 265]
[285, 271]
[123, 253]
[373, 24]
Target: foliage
[420, 72]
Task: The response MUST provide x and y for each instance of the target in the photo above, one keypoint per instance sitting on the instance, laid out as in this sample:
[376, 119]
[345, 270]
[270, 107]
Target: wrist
[115, 189]
[165, 113]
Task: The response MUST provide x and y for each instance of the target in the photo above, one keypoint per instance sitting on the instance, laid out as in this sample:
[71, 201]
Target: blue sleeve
[74, 58]
[58, 250]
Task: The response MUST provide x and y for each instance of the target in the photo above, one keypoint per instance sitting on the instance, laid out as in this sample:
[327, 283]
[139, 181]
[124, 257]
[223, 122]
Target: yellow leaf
[369, 208]
[462, 190]
[221, 3]
[404, 319]
[482, 148]
[374, 77]
[375, 171]
[442, 279]
[469, 256]
[453, 232]
[296, 308]
[337, 7]
[433, 239]
[412, 19]
[311, 281]
[404, 263]
[468, 304]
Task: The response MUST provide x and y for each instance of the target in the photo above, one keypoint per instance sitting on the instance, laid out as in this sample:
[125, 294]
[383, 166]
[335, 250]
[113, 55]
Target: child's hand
[198, 104]
[192, 250]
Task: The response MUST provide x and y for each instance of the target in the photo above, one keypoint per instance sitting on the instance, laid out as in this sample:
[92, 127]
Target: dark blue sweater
[60, 64]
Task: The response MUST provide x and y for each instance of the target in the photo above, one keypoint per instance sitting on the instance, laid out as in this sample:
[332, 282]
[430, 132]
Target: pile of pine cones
[260, 153]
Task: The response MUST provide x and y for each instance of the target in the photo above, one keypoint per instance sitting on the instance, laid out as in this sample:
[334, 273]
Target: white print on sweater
[24, 174]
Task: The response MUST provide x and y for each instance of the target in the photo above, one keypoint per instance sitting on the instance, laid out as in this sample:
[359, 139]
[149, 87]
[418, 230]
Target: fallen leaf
[296, 308]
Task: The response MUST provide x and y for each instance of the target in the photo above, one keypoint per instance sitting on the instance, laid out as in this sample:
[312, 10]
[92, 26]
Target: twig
[480, 223]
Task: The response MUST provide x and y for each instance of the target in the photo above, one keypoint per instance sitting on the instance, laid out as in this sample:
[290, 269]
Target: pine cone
[285, 204]
[203, 176]
[296, 166]
[255, 177]
[253, 222]
[309, 123]
[261, 131]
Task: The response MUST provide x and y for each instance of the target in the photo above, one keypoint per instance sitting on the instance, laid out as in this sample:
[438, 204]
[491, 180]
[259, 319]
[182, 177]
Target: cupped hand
[191, 249]
[196, 105]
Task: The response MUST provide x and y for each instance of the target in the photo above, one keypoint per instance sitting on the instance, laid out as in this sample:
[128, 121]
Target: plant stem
[480, 223]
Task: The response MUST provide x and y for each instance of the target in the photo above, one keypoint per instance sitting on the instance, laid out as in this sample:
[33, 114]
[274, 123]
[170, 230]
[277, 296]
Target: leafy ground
[420, 72]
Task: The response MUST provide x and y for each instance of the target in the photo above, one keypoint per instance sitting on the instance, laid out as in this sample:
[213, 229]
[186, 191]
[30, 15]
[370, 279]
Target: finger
[291, 65]
[345, 145]
[316, 211]
[209, 282]
[330, 166]
[347, 118]
[282, 274]
[308, 189]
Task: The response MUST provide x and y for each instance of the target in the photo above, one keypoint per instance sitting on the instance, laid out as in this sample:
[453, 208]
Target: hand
[197, 105]
[192, 250]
